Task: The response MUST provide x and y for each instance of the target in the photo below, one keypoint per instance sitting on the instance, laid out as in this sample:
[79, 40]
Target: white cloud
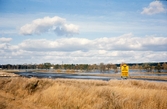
[125, 48]
[56, 24]
[5, 40]
[66, 30]
[64, 44]
[154, 8]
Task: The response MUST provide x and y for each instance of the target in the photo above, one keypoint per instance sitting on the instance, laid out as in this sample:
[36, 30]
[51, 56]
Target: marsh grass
[70, 71]
[81, 94]
[150, 77]
[7, 73]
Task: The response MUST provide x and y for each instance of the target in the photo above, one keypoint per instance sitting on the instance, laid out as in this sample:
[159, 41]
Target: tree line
[149, 67]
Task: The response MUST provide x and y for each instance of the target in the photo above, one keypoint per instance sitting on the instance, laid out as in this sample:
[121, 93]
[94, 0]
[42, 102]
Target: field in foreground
[23, 93]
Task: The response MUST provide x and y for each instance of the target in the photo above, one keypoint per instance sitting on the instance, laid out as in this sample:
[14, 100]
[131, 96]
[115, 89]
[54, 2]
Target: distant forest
[149, 67]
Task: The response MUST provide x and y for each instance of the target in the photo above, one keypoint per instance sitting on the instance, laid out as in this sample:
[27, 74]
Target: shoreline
[11, 73]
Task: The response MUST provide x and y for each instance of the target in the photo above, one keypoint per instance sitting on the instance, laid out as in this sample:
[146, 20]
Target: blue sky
[82, 31]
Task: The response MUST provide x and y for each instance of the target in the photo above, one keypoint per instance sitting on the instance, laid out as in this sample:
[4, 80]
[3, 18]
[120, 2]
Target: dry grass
[5, 73]
[70, 71]
[150, 77]
[23, 93]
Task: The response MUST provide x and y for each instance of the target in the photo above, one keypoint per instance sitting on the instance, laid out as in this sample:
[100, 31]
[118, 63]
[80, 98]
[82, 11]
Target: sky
[82, 31]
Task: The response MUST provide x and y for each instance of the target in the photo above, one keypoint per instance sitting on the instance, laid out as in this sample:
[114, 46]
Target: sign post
[124, 71]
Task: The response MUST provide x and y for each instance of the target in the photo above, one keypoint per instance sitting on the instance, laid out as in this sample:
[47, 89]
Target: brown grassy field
[24, 93]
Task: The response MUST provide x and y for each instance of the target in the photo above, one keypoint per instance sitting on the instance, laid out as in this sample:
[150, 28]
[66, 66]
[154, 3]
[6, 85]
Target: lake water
[62, 75]
[131, 72]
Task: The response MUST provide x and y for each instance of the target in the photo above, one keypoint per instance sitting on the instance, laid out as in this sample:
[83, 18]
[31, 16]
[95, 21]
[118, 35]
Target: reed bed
[36, 93]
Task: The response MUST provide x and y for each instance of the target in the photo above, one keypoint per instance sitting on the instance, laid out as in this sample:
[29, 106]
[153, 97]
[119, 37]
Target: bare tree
[102, 67]
[108, 67]
[115, 68]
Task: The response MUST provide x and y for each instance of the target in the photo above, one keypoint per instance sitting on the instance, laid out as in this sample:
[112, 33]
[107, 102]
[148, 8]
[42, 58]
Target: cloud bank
[125, 42]
[125, 48]
[56, 24]
[154, 8]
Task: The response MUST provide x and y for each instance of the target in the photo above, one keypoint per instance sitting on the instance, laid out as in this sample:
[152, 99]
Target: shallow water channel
[61, 75]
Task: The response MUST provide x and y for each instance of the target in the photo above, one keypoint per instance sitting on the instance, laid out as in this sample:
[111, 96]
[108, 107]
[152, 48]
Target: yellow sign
[124, 70]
